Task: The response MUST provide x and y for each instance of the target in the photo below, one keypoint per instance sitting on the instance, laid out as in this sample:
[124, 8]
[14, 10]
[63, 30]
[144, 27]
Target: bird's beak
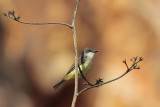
[96, 51]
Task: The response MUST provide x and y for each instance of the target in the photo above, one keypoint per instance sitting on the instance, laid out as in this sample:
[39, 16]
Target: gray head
[89, 52]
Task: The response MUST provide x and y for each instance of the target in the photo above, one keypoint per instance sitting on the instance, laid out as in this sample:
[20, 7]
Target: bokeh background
[34, 58]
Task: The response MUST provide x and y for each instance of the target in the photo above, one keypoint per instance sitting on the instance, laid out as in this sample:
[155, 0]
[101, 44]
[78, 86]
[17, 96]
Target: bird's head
[89, 52]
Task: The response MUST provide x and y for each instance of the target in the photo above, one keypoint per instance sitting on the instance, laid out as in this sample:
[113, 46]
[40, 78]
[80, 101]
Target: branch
[76, 55]
[11, 15]
[132, 67]
[87, 82]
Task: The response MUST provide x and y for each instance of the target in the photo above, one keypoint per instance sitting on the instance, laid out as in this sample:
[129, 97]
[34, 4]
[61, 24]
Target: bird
[84, 62]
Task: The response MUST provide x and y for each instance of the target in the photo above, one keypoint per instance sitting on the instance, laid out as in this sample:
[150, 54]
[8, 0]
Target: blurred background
[34, 58]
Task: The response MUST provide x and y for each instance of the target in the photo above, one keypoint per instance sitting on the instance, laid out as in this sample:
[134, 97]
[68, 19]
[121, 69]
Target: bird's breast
[86, 66]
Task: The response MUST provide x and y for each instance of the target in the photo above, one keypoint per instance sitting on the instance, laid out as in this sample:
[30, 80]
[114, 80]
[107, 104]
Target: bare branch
[76, 54]
[11, 15]
[125, 62]
[132, 67]
[87, 82]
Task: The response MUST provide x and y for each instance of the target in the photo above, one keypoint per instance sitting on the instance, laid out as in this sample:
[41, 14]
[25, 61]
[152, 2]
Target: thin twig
[133, 66]
[97, 85]
[65, 24]
[82, 61]
[88, 83]
[125, 62]
[76, 55]
[11, 15]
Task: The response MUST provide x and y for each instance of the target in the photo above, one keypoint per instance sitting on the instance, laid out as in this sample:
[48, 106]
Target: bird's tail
[58, 84]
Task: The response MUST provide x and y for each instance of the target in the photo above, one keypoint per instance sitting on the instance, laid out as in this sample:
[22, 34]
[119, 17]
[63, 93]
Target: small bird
[84, 62]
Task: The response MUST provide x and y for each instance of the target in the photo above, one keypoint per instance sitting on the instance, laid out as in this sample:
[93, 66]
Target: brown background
[34, 58]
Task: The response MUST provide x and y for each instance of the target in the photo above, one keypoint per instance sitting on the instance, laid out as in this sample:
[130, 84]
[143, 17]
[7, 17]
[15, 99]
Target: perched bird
[84, 62]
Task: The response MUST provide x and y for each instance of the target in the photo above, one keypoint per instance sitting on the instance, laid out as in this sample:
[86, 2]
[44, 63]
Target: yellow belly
[84, 69]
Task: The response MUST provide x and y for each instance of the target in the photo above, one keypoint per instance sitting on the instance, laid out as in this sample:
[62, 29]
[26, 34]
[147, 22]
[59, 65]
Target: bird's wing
[81, 60]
